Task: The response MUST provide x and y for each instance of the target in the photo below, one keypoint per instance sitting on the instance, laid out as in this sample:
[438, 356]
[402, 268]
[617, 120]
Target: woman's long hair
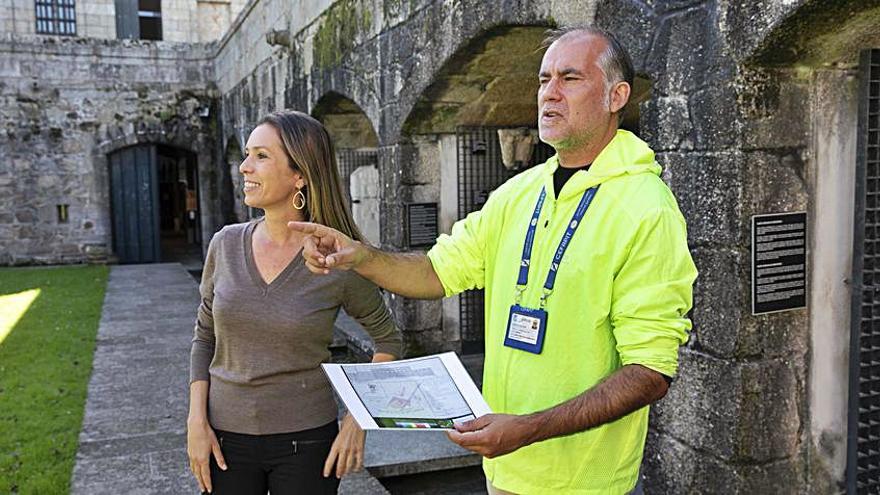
[310, 152]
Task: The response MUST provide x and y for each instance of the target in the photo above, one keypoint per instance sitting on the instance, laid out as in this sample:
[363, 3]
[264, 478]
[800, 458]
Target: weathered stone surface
[671, 466]
[720, 300]
[633, 24]
[700, 411]
[708, 188]
[666, 124]
[714, 114]
[685, 51]
[774, 181]
[775, 102]
[800, 32]
[785, 477]
[770, 415]
[74, 101]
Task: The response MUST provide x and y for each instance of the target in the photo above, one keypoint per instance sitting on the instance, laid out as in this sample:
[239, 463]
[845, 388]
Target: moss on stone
[339, 30]
[819, 33]
[165, 114]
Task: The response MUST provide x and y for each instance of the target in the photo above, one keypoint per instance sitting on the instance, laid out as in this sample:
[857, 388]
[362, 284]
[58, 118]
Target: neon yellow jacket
[621, 295]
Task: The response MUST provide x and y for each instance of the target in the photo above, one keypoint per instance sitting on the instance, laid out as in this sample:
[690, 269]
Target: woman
[262, 413]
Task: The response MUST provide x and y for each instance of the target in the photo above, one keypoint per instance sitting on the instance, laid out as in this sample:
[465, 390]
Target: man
[588, 279]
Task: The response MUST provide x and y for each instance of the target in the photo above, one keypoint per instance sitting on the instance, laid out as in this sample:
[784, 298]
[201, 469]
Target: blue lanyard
[575, 222]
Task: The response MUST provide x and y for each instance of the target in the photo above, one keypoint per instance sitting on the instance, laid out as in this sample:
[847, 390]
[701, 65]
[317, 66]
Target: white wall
[835, 111]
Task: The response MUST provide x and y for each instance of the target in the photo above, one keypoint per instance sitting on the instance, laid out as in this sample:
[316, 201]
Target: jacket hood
[626, 154]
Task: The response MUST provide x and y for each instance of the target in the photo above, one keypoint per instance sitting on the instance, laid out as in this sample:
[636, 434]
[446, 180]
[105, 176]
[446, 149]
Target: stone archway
[453, 129]
[800, 88]
[195, 150]
[356, 146]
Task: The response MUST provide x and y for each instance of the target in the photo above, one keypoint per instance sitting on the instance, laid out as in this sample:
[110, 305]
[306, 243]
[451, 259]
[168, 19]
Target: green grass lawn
[48, 322]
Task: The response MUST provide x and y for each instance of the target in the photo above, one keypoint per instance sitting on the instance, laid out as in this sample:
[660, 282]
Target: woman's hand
[201, 442]
[347, 451]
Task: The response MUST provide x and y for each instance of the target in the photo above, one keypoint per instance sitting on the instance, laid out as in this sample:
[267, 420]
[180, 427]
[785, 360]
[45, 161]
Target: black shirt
[562, 174]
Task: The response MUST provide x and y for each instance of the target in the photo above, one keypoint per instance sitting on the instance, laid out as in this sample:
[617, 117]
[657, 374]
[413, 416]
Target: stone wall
[735, 89]
[733, 140]
[96, 19]
[187, 21]
[64, 104]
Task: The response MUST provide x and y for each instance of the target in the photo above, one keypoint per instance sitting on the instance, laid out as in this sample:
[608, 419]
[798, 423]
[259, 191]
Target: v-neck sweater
[261, 345]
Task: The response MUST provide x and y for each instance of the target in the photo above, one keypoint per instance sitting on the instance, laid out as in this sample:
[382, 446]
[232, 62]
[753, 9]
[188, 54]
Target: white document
[426, 393]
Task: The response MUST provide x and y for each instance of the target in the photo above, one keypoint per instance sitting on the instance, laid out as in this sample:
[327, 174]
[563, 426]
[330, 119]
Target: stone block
[708, 187]
[770, 416]
[633, 24]
[685, 52]
[671, 466]
[701, 407]
[720, 301]
[25, 215]
[775, 182]
[783, 477]
[666, 125]
[774, 103]
[414, 315]
[662, 6]
[715, 117]
[775, 335]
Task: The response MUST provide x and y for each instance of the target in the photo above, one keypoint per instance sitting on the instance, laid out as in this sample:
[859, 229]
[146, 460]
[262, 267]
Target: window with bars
[56, 17]
[863, 463]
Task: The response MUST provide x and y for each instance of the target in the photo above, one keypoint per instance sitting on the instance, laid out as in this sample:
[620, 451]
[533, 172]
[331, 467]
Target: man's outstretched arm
[628, 389]
[408, 274]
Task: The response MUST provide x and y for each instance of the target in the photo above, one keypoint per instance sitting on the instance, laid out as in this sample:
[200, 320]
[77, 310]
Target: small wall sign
[421, 224]
[779, 262]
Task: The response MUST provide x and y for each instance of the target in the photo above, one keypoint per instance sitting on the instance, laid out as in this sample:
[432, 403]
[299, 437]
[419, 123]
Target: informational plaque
[421, 221]
[779, 262]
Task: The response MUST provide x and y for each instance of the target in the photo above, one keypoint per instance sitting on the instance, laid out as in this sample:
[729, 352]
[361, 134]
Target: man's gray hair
[614, 62]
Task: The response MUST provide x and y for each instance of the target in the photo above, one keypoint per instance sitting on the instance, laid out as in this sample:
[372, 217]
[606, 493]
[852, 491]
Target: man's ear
[619, 96]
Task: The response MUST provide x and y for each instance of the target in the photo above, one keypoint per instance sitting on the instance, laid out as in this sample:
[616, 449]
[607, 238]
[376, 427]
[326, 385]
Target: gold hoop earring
[302, 197]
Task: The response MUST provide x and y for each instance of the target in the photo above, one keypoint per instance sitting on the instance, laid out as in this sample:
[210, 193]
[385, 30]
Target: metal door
[480, 171]
[863, 450]
[134, 203]
[350, 159]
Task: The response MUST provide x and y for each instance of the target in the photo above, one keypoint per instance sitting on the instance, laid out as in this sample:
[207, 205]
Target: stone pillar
[399, 176]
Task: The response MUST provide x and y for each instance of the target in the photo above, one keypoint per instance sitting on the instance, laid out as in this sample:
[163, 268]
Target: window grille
[863, 463]
[56, 17]
[480, 172]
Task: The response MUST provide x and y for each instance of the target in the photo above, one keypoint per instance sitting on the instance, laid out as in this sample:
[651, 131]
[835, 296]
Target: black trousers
[282, 464]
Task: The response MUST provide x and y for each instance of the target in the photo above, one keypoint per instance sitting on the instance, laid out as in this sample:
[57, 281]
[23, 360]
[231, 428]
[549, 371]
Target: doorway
[155, 205]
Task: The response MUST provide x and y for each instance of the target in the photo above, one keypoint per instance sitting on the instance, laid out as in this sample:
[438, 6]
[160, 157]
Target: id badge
[525, 329]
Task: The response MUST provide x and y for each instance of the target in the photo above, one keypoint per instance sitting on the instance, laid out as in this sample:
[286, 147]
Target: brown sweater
[260, 346]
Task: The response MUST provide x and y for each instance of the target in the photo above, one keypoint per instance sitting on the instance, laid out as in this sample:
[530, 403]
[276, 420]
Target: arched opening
[356, 157]
[155, 205]
[828, 54]
[473, 128]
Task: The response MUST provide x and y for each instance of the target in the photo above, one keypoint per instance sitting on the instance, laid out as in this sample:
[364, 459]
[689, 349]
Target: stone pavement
[133, 437]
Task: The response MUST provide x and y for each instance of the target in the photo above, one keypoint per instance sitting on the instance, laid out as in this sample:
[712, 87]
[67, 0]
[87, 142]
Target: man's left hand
[492, 435]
